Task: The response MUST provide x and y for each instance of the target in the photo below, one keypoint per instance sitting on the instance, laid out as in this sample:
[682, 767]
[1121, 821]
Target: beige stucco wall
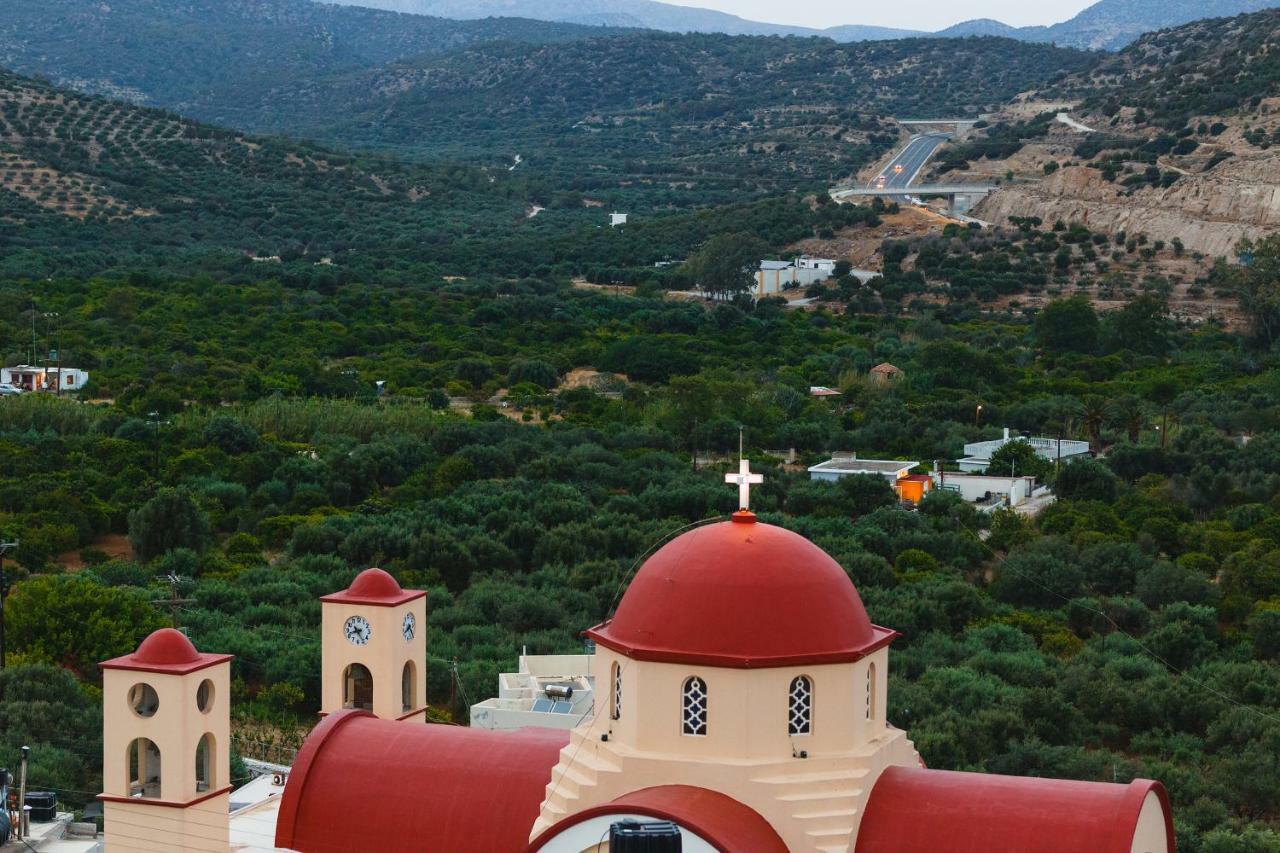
[176, 729]
[1151, 835]
[815, 803]
[384, 655]
[141, 828]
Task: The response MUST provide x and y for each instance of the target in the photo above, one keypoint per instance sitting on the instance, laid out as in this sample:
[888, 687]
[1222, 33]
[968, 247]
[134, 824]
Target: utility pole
[22, 795]
[173, 602]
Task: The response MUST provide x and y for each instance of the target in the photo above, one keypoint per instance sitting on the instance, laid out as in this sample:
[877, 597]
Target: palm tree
[1129, 414]
[1092, 413]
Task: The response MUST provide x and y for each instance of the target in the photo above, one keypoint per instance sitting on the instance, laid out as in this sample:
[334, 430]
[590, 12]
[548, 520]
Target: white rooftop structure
[616, 219]
[848, 465]
[989, 491]
[549, 691]
[977, 456]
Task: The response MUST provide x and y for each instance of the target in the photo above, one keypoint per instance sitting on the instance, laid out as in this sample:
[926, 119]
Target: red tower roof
[924, 811]
[166, 651]
[375, 587]
[361, 783]
[742, 594]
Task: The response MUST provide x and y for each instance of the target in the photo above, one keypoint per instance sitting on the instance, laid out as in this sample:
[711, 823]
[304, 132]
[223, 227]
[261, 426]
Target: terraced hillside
[86, 182]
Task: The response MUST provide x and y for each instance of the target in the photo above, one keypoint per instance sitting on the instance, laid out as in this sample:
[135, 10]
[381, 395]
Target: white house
[616, 219]
[977, 456]
[30, 378]
[775, 276]
[987, 489]
[848, 465]
[549, 691]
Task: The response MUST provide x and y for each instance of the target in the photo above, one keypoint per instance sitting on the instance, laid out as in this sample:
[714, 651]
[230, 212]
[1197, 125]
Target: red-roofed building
[741, 696]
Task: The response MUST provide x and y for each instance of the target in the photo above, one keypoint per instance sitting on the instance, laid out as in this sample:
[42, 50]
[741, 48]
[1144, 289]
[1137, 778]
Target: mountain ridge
[1106, 25]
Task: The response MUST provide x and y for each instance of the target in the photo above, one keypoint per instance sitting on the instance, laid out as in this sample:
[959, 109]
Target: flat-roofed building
[849, 465]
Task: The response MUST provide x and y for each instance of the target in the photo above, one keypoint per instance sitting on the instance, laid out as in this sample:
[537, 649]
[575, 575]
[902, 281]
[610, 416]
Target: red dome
[376, 587]
[374, 583]
[166, 647]
[742, 594]
[166, 651]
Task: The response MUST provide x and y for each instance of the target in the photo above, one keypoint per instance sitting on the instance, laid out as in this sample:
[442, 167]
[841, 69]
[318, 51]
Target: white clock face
[409, 626]
[357, 630]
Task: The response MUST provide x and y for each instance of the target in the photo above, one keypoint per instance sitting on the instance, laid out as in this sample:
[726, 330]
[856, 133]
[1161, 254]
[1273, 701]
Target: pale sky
[906, 14]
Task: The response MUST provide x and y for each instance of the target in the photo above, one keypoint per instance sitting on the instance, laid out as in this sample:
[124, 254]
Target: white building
[773, 277]
[989, 490]
[616, 219]
[549, 691]
[977, 456]
[848, 465]
[30, 378]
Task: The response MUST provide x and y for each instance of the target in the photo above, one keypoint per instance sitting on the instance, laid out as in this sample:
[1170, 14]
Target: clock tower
[374, 648]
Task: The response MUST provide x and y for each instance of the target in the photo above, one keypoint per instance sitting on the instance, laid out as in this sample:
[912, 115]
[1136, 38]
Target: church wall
[1151, 834]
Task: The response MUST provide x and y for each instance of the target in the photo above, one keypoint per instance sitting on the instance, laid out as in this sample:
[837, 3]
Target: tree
[726, 265]
[1264, 627]
[1257, 286]
[1068, 325]
[1018, 458]
[171, 519]
[76, 623]
[1093, 414]
[1129, 414]
[1086, 480]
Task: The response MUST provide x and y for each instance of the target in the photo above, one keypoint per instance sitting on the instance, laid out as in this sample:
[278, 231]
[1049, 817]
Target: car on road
[880, 182]
[897, 170]
[7, 390]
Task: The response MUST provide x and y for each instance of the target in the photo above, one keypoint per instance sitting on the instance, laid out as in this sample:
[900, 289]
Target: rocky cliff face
[1210, 213]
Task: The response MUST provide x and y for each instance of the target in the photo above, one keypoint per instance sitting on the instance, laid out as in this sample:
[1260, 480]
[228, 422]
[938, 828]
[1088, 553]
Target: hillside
[211, 58]
[685, 116]
[1112, 24]
[91, 185]
[1185, 128]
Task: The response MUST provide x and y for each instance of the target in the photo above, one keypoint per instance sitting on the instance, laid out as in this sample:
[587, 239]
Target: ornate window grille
[800, 706]
[695, 706]
[615, 712]
[871, 692]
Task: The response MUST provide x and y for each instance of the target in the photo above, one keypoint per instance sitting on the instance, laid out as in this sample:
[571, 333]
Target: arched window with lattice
[800, 706]
[871, 692]
[615, 707]
[694, 705]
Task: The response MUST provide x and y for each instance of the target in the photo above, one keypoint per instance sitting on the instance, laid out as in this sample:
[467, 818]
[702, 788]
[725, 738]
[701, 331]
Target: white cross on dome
[744, 480]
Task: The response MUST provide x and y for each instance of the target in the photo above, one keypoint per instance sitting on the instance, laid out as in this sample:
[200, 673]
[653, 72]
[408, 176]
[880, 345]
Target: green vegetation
[1054, 647]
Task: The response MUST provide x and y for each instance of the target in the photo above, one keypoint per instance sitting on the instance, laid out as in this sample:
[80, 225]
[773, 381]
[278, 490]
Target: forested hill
[88, 184]
[209, 58]
[1207, 68]
[669, 109]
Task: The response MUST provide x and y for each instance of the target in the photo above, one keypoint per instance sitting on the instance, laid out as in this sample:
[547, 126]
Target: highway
[914, 156]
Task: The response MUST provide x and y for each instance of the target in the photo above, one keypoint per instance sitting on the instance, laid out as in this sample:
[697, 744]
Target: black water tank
[44, 806]
[632, 836]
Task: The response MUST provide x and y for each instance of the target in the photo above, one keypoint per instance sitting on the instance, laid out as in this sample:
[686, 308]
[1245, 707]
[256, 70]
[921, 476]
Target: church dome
[166, 647]
[742, 594]
[375, 587]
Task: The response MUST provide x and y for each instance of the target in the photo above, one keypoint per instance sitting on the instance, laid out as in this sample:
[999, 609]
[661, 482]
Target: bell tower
[374, 648]
[166, 774]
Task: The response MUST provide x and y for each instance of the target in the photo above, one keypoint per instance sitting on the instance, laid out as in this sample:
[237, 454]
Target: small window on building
[871, 692]
[800, 706]
[357, 688]
[615, 712]
[205, 764]
[694, 706]
[143, 700]
[409, 687]
[143, 767]
[204, 696]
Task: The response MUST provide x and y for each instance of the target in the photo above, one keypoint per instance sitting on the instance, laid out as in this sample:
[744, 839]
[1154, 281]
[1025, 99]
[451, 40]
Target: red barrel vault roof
[361, 783]
[745, 595]
[721, 821]
[924, 811]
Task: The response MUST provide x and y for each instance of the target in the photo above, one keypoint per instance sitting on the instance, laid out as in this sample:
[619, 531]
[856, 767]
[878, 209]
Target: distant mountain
[208, 57]
[1107, 25]
[632, 13]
